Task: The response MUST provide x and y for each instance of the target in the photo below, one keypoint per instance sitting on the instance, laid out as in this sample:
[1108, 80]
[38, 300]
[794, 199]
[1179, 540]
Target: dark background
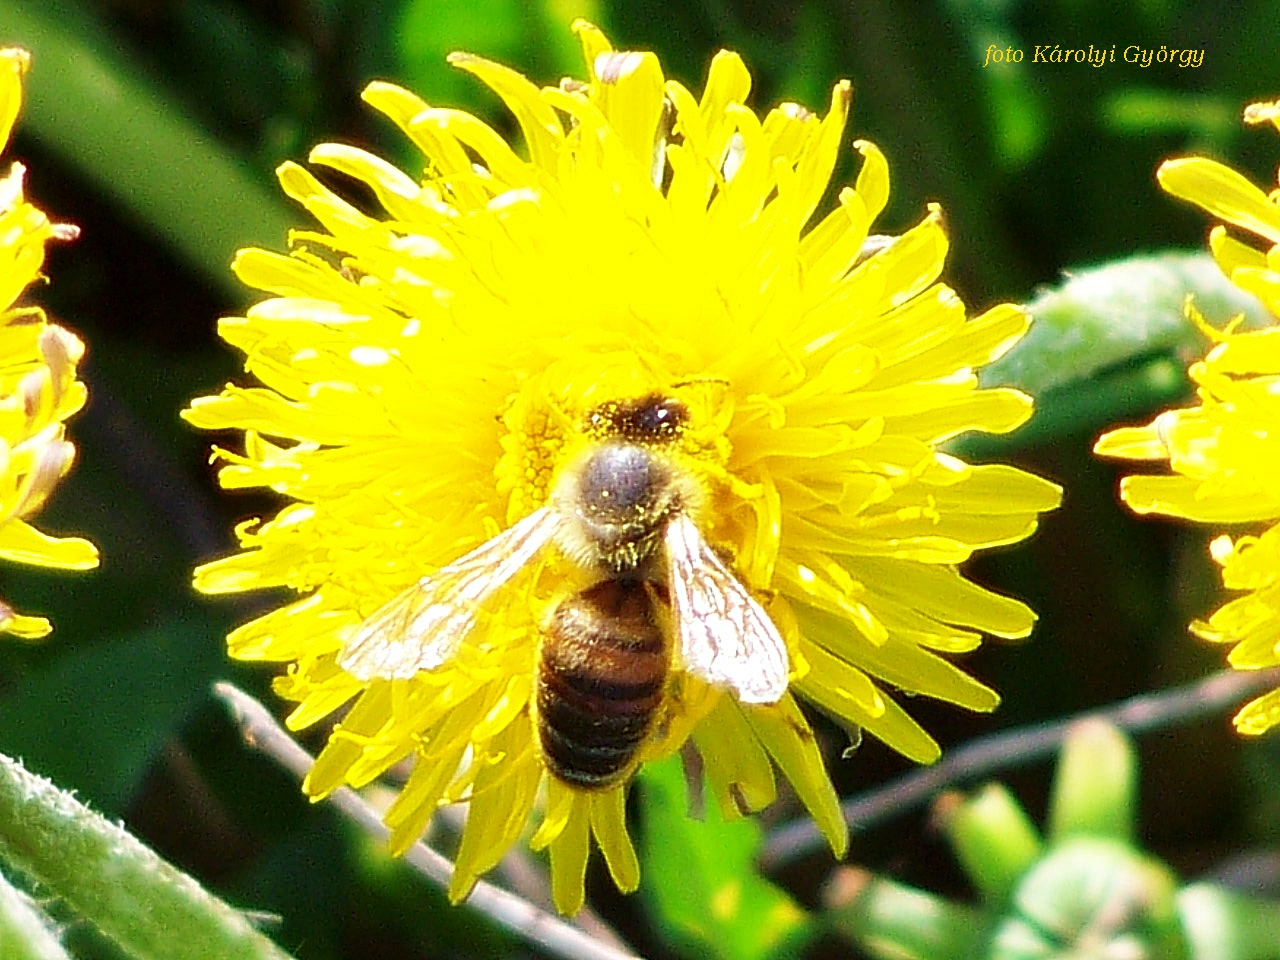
[163, 153]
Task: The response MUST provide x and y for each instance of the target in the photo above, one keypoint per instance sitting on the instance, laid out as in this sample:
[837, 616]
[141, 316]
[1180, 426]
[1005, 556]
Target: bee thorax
[619, 501]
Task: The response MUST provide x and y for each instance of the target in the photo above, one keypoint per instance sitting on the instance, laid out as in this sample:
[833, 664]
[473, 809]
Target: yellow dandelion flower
[1225, 451]
[606, 449]
[38, 385]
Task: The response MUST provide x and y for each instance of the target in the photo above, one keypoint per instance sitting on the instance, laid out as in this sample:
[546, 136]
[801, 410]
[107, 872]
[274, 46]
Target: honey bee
[662, 600]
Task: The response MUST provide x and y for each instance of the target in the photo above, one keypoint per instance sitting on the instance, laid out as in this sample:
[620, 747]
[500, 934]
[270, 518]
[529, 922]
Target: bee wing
[423, 626]
[726, 638]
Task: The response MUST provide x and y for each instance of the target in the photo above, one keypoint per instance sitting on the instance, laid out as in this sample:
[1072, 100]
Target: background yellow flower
[38, 385]
[1224, 452]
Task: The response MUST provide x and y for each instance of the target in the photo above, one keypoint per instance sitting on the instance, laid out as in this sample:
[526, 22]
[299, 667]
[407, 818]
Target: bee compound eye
[652, 419]
[659, 418]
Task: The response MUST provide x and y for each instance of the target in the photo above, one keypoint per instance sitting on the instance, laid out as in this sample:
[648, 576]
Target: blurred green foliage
[707, 899]
[156, 124]
[1083, 889]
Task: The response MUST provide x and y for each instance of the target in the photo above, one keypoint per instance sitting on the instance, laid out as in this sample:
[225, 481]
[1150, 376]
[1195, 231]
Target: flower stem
[1018, 748]
[557, 937]
[146, 906]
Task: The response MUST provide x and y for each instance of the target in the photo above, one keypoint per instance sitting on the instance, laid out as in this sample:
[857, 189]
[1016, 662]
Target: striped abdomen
[602, 673]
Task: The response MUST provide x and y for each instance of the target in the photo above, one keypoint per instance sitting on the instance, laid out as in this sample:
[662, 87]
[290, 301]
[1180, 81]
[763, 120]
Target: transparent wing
[422, 627]
[726, 638]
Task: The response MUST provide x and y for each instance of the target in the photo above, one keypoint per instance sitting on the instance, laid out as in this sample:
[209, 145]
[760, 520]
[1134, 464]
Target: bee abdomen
[601, 680]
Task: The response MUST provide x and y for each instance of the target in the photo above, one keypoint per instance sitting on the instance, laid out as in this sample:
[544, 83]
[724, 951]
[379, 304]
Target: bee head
[652, 419]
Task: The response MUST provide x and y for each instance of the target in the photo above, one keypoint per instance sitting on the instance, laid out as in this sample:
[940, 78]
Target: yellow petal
[569, 859]
[23, 627]
[1221, 192]
[896, 730]
[1260, 715]
[14, 64]
[1183, 497]
[736, 766]
[501, 801]
[538, 122]
[785, 733]
[609, 825]
[23, 543]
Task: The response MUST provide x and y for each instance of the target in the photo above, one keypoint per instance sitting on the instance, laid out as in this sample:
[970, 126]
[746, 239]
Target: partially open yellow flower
[1225, 451]
[434, 375]
[38, 385]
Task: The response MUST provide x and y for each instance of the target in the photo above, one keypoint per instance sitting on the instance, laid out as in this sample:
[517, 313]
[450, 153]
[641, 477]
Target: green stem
[106, 118]
[1019, 748]
[995, 841]
[1224, 925]
[890, 919]
[149, 908]
[25, 932]
[1094, 790]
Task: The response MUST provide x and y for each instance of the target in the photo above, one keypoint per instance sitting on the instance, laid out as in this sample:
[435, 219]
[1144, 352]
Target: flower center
[554, 429]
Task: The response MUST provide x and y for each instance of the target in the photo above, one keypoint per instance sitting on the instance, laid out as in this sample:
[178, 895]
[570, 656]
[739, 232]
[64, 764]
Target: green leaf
[391, 897]
[429, 30]
[1107, 317]
[97, 716]
[1136, 111]
[1018, 109]
[1092, 897]
[146, 906]
[1112, 342]
[702, 882]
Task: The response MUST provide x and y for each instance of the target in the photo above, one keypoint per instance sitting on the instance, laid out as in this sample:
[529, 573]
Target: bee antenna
[699, 380]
